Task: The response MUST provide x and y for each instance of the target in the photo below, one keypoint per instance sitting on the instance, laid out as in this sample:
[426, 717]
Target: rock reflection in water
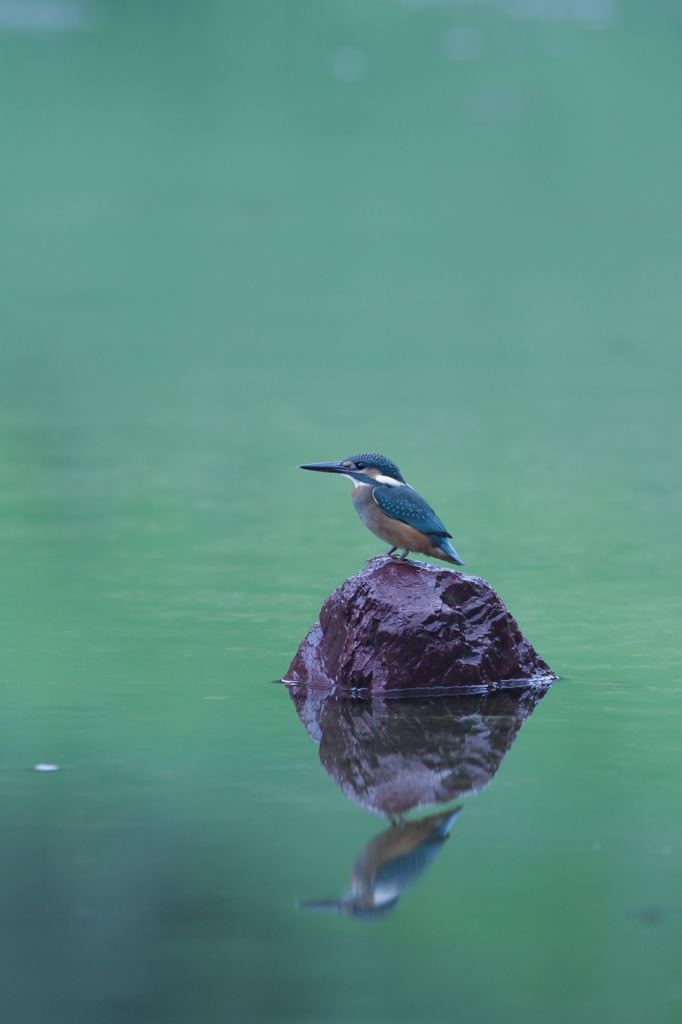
[391, 756]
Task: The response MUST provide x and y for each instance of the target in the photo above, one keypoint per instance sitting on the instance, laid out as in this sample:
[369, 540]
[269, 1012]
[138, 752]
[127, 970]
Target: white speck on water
[348, 64]
[462, 43]
[45, 767]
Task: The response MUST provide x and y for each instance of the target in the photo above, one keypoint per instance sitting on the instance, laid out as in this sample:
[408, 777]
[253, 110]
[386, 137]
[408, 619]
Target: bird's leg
[394, 548]
[404, 555]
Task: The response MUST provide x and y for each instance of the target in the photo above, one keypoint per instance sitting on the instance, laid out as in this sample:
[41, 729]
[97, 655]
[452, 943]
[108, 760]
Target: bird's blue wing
[404, 504]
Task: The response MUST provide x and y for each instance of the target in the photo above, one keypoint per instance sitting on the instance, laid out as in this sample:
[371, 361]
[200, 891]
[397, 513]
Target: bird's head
[366, 468]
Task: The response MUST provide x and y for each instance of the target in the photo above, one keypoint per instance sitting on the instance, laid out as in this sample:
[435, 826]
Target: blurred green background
[239, 236]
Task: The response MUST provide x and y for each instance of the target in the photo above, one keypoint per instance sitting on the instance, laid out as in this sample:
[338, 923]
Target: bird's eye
[360, 465]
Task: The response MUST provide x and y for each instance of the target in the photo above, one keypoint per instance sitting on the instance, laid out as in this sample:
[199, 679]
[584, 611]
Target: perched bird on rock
[390, 508]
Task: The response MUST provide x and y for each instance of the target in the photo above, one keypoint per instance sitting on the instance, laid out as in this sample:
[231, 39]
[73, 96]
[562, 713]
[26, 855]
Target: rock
[393, 755]
[403, 626]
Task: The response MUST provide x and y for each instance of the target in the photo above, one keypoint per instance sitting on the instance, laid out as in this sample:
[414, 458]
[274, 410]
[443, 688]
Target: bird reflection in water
[388, 864]
[392, 756]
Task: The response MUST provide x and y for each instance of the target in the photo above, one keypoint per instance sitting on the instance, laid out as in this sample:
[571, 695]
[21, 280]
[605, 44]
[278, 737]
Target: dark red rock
[400, 626]
[393, 755]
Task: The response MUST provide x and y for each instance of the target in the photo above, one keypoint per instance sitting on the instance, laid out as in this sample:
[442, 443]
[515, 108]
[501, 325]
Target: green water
[238, 237]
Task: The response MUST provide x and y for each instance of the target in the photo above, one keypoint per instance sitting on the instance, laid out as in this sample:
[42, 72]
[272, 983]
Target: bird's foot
[388, 554]
[404, 555]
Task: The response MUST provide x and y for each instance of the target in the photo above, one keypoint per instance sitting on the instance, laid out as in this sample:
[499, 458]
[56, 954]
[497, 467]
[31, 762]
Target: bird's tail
[446, 547]
[442, 828]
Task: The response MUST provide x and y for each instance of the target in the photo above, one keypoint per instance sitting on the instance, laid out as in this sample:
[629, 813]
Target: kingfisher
[390, 508]
[389, 863]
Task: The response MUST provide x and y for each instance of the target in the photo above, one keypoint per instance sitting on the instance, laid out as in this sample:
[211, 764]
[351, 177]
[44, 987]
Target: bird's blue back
[404, 504]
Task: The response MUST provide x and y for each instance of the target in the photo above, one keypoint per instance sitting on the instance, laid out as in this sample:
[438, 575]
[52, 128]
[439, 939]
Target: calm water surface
[237, 237]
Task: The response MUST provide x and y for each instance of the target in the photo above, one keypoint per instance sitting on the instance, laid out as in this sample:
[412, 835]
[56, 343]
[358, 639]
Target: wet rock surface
[393, 755]
[405, 626]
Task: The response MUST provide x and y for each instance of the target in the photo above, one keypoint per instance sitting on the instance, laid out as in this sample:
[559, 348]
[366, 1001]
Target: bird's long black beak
[326, 467]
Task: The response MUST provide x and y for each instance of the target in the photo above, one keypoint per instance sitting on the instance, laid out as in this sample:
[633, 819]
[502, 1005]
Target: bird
[389, 863]
[391, 508]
